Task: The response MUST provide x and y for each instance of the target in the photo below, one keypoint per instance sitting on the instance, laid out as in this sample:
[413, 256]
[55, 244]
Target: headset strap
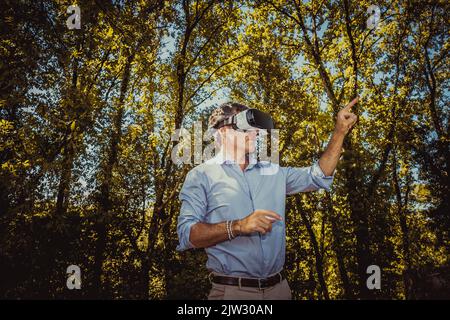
[230, 120]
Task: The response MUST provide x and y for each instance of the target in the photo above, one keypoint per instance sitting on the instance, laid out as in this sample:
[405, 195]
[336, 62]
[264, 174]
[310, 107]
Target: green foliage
[86, 119]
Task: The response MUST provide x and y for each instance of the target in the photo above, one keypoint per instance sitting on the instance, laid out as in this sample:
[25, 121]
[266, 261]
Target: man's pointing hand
[258, 221]
[345, 118]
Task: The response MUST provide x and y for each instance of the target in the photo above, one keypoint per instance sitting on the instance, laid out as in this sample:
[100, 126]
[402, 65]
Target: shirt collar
[220, 158]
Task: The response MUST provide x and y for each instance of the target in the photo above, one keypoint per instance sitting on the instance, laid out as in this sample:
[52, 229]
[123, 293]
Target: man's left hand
[346, 119]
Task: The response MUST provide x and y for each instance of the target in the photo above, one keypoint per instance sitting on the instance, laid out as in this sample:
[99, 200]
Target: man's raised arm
[345, 121]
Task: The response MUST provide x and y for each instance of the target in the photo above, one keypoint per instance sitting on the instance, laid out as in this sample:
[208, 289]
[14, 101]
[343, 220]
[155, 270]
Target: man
[237, 213]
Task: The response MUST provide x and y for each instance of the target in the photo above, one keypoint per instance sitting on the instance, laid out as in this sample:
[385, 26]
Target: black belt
[261, 283]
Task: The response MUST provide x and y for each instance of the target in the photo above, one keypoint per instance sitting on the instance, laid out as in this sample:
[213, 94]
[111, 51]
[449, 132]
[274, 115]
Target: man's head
[237, 141]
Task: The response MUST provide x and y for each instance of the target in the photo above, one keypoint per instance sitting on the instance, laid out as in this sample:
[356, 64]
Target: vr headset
[251, 119]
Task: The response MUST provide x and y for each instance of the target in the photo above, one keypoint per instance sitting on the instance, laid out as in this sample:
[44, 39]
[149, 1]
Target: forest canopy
[87, 115]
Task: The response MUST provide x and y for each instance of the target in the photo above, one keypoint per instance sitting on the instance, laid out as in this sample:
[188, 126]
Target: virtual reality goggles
[250, 119]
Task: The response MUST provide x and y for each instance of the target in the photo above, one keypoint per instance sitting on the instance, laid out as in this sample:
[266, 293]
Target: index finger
[268, 220]
[270, 214]
[351, 104]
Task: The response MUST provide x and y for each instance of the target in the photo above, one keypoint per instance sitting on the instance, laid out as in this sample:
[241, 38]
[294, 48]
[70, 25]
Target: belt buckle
[210, 277]
[262, 286]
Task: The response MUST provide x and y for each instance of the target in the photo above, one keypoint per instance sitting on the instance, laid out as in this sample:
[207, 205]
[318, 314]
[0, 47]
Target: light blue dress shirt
[218, 190]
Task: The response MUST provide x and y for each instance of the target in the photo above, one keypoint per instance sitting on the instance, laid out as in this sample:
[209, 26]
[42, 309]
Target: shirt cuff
[185, 243]
[317, 171]
[319, 178]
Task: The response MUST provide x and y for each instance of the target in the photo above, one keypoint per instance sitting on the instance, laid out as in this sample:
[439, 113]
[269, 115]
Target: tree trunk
[68, 155]
[337, 241]
[104, 200]
[317, 253]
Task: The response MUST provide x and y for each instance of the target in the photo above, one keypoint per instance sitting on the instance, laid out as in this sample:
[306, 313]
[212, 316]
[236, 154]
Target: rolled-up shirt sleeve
[193, 207]
[307, 179]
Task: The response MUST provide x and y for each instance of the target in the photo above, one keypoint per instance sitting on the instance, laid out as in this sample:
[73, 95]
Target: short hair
[225, 111]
